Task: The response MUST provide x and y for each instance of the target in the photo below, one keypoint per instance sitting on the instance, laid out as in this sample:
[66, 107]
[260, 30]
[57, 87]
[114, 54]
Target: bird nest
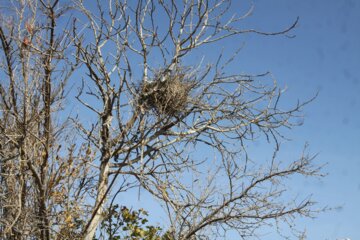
[167, 94]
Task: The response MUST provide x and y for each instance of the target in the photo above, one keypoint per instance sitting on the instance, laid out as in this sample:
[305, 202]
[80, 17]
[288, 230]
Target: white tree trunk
[99, 204]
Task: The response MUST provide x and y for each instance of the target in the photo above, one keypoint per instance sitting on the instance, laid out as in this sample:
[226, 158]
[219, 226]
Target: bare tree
[148, 115]
[37, 170]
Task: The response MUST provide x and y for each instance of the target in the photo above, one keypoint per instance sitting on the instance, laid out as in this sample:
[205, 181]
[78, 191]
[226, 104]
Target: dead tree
[37, 171]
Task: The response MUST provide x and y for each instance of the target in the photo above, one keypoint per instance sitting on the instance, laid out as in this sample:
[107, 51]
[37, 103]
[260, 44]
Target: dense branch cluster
[143, 118]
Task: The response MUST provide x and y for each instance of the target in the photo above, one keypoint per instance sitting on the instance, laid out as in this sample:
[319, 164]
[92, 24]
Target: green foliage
[121, 223]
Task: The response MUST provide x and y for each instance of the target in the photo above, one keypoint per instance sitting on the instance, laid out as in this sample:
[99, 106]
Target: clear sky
[324, 56]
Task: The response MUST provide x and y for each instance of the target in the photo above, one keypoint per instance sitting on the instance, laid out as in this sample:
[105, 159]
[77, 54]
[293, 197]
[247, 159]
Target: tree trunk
[97, 215]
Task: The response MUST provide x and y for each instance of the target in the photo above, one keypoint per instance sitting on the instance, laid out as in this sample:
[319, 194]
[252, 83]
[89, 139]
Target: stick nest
[166, 94]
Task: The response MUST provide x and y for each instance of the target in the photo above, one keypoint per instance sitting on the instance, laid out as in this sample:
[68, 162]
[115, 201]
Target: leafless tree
[145, 117]
[37, 171]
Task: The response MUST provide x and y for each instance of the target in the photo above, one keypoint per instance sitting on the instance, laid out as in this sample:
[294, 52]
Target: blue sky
[325, 57]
